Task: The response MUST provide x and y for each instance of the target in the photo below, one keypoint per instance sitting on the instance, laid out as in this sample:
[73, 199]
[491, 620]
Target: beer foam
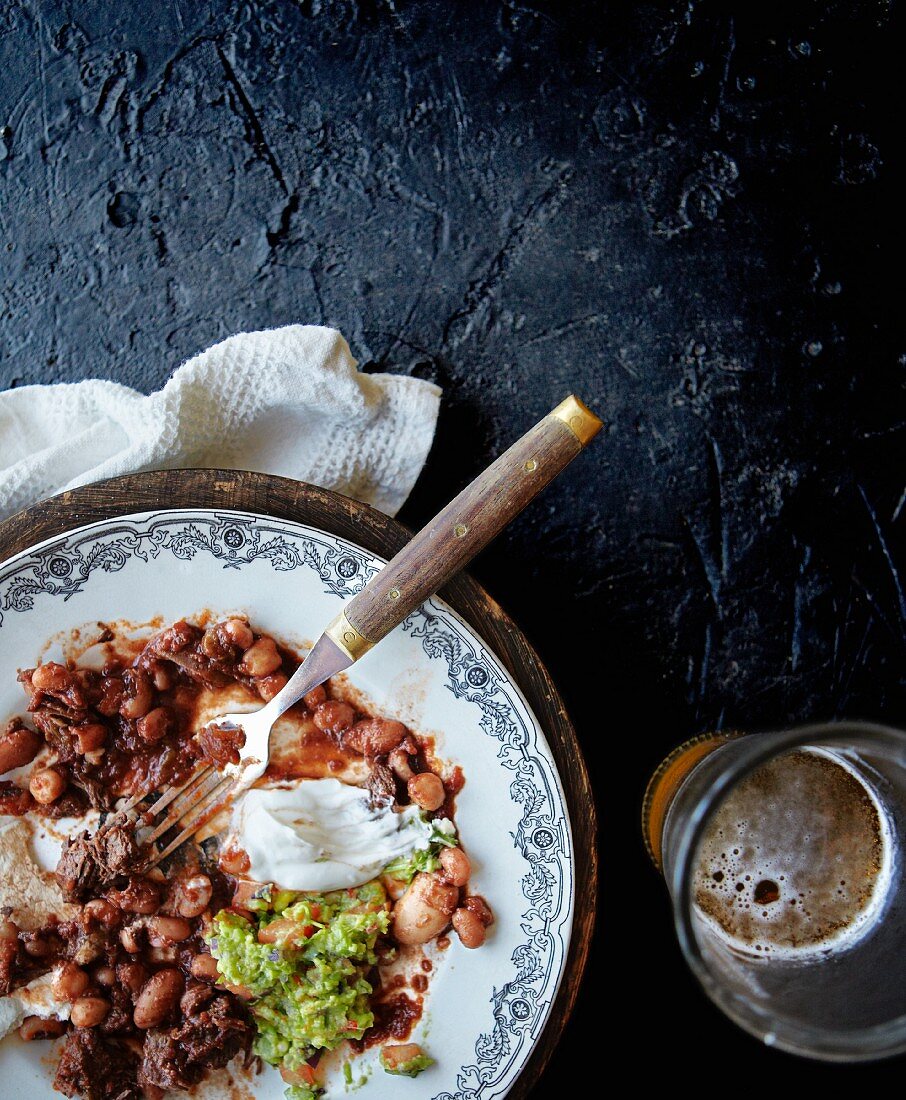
[797, 859]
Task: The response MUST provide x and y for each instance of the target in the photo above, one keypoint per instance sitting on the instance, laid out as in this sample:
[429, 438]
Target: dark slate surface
[681, 213]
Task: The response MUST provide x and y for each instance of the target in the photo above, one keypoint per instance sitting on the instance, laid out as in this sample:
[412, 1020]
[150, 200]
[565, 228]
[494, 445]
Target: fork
[428, 561]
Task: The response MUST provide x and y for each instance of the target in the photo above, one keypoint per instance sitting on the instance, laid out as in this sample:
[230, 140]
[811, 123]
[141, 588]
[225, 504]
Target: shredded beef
[221, 745]
[213, 1031]
[96, 1069]
[118, 1020]
[72, 803]
[89, 863]
[9, 952]
[14, 800]
[381, 785]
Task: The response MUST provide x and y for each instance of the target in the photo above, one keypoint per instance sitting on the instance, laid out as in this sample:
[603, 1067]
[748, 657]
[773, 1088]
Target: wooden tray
[293, 500]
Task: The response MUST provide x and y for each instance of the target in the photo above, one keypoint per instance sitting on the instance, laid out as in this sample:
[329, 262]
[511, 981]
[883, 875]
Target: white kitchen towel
[284, 401]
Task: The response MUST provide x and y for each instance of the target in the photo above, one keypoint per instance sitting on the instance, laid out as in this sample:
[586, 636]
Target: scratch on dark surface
[880, 614]
[888, 558]
[545, 205]
[704, 665]
[724, 78]
[45, 149]
[848, 672]
[566, 327]
[255, 135]
[799, 604]
[158, 89]
[709, 569]
[718, 511]
[179, 18]
[899, 508]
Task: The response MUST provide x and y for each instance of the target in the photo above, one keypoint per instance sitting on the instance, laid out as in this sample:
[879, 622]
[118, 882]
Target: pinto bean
[89, 1011]
[91, 736]
[9, 931]
[105, 976]
[400, 763]
[455, 866]
[261, 658]
[132, 976]
[18, 747]
[204, 967]
[269, 686]
[333, 716]
[37, 947]
[130, 939]
[237, 632]
[34, 1027]
[427, 790]
[46, 785]
[192, 895]
[314, 698]
[167, 930]
[162, 675]
[139, 695]
[374, 736]
[440, 894]
[52, 678]
[140, 896]
[477, 905]
[111, 695]
[70, 982]
[173, 639]
[423, 911]
[234, 861]
[469, 928]
[158, 998]
[163, 954]
[103, 912]
[154, 726]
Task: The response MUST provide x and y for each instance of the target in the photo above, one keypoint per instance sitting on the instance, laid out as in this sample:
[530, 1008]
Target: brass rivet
[576, 421]
[394, 593]
[460, 529]
[530, 466]
[348, 637]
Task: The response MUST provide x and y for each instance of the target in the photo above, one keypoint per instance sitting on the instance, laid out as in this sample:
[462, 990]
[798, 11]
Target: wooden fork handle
[465, 526]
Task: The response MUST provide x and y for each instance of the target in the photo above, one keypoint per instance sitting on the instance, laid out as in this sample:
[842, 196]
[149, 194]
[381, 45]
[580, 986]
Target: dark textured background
[682, 213]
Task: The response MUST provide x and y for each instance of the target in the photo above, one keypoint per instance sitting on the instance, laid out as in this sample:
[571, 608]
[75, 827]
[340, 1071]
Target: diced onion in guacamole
[307, 978]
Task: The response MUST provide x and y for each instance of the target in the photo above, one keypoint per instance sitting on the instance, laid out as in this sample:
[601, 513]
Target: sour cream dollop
[322, 834]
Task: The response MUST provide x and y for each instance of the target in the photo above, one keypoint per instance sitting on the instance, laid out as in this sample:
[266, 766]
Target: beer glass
[782, 853]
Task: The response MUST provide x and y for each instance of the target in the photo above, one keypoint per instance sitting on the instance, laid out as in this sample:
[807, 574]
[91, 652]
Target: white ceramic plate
[485, 1008]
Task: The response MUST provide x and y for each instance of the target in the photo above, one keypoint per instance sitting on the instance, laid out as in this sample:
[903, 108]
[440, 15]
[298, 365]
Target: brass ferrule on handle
[344, 635]
[579, 418]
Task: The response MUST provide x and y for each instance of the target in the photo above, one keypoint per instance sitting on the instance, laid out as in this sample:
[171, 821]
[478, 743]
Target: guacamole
[406, 868]
[303, 958]
[412, 1068]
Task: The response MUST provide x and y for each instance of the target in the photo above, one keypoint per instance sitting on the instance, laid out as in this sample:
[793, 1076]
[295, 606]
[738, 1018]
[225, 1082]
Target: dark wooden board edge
[378, 533]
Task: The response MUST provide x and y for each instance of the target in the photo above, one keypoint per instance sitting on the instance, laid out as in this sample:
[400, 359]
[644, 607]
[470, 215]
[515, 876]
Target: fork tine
[133, 802]
[199, 790]
[200, 814]
[165, 799]
[174, 792]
